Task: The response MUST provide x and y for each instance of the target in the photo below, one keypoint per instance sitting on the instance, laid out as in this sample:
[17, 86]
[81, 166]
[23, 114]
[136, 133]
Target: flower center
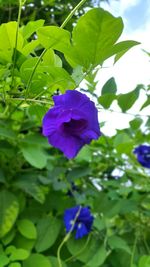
[147, 156]
[79, 225]
[75, 126]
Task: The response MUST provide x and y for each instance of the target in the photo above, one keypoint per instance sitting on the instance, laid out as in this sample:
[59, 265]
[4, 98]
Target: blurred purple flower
[71, 123]
[83, 223]
[143, 155]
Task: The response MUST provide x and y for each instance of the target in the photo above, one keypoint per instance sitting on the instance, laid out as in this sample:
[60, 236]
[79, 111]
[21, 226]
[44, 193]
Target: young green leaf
[27, 228]
[47, 231]
[31, 27]
[54, 37]
[37, 260]
[126, 101]
[9, 207]
[109, 87]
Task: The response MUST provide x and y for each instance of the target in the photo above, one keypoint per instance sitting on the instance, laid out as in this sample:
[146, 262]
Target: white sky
[134, 67]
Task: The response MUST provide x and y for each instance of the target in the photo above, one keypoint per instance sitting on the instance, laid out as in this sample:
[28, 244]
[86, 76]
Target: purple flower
[71, 123]
[83, 222]
[143, 155]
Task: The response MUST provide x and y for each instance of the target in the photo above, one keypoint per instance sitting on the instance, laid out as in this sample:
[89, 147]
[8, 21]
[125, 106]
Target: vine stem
[45, 50]
[66, 238]
[16, 42]
[80, 251]
[72, 13]
[35, 67]
[133, 251]
[31, 100]
[124, 113]
[48, 102]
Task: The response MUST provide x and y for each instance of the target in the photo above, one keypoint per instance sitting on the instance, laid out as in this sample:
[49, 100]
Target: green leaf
[29, 184]
[4, 260]
[37, 112]
[37, 260]
[116, 242]
[35, 139]
[109, 90]
[47, 230]
[54, 261]
[123, 143]
[79, 172]
[123, 47]
[6, 131]
[51, 59]
[9, 209]
[146, 104]
[106, 100]
[19, 254]
[35, 155]
[120, 258]
[144, 261]
[106, 206]
[100, 30]
[121, 138]
[136, 123]
[22, 242]
[77, 74]
[109, 87]
[99, 223]
[27, 228]
[82, 249]
[148, 123]
[46, 76]
[59, 78]
[27, 68]
[2, 177]
[31, 27]
[14, 264]
[54, 37]
[29, 47]
[99, 257]
[126, 101]
[85, 154]
[8, 237]
[8, 33]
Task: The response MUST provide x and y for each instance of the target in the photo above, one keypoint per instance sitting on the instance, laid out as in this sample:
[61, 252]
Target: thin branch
[31, 100]
[66, 238]
[72, 13]
[16, 43]
[124, 113]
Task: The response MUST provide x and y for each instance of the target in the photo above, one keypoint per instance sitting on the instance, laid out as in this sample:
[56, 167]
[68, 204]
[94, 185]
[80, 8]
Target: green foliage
[53, 12]
[48, 230]
[108, 93]
[100, 31]
[109, 87]
[27, 229]
[37, 260]
[126, 101]
[144, 261]
[37, 183]
[9, 207]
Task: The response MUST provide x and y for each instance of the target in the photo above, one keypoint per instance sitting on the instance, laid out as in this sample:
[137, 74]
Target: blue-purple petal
[83, 223]
[81, 231]
[143, 155]
[69, 145]
[71, 123]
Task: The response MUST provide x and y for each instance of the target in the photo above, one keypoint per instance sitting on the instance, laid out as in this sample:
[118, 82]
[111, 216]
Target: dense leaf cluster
[53, 12]
[37, 183]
